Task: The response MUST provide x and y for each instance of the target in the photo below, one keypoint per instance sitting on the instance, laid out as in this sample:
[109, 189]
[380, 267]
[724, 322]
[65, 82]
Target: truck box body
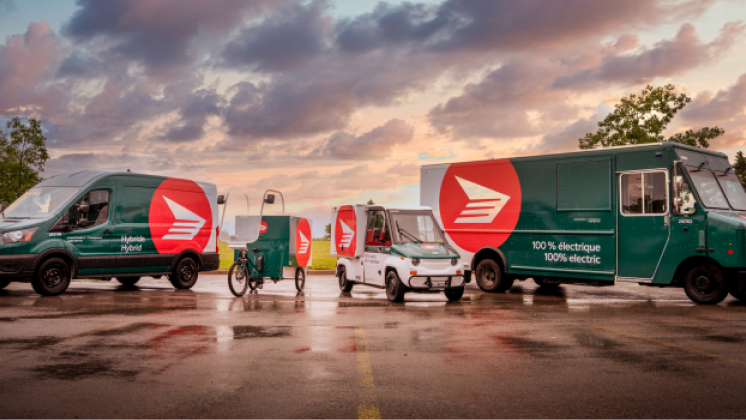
[285, 243]
[605, 215]
[348, 230]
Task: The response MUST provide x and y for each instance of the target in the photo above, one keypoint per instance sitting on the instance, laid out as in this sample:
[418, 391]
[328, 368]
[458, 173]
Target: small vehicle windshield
[708, 188]
[415, 226]
[733, 189]
[39, 202]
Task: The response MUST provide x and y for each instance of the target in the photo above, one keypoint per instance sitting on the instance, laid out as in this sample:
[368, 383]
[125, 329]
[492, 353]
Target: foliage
[22, 156]
[370, 202]
[643, 118]
[328, 232]
[739, 166]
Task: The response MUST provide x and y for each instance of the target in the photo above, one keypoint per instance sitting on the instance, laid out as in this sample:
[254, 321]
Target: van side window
[644, 193]
[91, 210]
[377, 220]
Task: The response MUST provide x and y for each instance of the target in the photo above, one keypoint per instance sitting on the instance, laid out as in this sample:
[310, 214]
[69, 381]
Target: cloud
[373, 144]
[666, 58]
[710, 109]
[6, 7]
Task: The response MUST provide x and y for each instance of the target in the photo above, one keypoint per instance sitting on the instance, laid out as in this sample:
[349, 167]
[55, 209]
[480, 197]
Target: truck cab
[401, 249]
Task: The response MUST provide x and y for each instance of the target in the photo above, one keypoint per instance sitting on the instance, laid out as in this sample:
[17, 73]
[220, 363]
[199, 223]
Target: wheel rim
[488, 277]
[186, 273]
[391, 286]
[53, 277]
[704, 285]
[342, 279]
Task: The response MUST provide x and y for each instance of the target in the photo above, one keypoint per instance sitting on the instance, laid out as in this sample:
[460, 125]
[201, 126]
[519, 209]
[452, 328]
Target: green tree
[328, 232]
[739, 166]
[370, 202]
[22, 156]
[643, 118]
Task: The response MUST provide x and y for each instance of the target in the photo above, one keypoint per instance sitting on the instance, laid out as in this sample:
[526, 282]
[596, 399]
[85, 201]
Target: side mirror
[221, 200]
[376, 234]
[62, 225]
[270, 199]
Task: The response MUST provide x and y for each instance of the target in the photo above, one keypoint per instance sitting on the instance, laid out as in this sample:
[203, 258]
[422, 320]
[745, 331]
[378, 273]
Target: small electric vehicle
[400, 249]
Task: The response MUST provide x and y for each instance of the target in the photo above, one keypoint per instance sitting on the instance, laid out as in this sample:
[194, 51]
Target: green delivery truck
[661, 214]
[101, 225]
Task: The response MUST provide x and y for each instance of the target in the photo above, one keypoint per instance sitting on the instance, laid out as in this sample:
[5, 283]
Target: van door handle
[108, 232]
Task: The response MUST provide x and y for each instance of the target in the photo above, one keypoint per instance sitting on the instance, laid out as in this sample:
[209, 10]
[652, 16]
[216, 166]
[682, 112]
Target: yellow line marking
[673, 346]
[90, 333]
[368, 409]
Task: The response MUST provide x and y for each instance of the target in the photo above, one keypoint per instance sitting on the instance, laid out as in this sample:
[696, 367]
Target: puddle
[74, 371]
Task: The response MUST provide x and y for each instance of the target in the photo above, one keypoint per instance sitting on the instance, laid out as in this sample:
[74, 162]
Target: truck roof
[83, 178]
[666, 145]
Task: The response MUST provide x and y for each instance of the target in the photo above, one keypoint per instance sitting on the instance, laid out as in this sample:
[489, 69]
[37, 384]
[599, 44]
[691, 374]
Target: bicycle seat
[256, 250]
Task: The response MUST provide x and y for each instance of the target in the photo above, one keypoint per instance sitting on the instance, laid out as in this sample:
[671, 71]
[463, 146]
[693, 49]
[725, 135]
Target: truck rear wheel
[185, 274]
[705, 284]
[344, 285]
[454, 294]
[490, 277]
[394, 287]
[52, 278]
[128, 281]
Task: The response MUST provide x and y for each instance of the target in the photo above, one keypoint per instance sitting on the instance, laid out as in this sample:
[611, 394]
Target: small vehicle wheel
[238, 279]
[300, 279]
[344, 284]
[490, 277]
[394, 287]
[705, 284]
[4, 284]
[185, 274]
[454, 294]
[542, 282]
[737, 291]
[128, 281]
[52, 278]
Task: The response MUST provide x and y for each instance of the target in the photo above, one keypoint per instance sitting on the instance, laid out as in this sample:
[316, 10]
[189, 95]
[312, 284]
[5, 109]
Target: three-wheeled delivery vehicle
[265, 247]
[400, 249]
[662, 214]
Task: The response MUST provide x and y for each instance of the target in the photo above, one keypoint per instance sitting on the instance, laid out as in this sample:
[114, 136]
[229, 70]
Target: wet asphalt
[102, 350]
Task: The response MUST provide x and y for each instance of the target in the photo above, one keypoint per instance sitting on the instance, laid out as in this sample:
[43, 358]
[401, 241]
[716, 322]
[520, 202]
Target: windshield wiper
[402, 231]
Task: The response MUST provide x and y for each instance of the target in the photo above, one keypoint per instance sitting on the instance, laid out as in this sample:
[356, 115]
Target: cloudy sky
[334, 102]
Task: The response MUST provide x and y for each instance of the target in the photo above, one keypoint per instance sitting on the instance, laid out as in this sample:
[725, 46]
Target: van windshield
[733, 189]
[39, 202]
[415, 226]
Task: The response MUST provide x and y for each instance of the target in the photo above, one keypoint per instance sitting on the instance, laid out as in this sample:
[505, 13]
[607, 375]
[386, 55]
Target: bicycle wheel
[238, 280]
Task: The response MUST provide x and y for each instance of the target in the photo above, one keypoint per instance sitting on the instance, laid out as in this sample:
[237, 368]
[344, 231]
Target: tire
[52, 278]
[395, 289]
[4, 284]
[705, 284]
[736, 291]
[490, 277]
[542, 282]
[300, 279]
[185, 274]
[344, 285]
[454, 294]
[128, 281]
[238, 279]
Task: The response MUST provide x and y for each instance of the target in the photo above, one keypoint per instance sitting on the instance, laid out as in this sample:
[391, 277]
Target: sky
[340, 102]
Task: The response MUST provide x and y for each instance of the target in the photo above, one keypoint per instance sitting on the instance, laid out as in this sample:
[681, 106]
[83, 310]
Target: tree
[642, 119]
[22, 156]
[739, 166]
[370, 202]
[328, 232]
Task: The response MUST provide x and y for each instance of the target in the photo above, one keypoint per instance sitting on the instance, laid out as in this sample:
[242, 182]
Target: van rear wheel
[128, 281]
[490, 277]
[52, 278]
[705, 284]
[185, 274]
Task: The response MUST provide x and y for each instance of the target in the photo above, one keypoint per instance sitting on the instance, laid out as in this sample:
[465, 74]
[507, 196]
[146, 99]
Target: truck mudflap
[435, 282]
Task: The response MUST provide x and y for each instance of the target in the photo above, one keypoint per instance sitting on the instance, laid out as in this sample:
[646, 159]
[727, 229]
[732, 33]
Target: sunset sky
[338, 102]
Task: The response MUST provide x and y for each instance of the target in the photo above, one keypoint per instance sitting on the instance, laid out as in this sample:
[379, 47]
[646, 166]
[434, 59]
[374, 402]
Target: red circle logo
[262, 227]
[303, 242]
[480, 203]
[180, 217]
[344, 231]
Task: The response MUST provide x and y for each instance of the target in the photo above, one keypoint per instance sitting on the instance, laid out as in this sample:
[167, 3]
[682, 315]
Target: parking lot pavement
[102, 350]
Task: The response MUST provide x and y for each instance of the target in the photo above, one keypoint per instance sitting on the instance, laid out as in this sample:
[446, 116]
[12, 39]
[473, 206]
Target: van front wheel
[185, 274]
[705, 284]
[52, 278]
[490, 277]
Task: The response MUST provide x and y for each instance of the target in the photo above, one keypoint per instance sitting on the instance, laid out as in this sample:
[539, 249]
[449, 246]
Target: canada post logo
[302, 242]
[263, 227]
[344, 231]
[480, 203]
[180, 217]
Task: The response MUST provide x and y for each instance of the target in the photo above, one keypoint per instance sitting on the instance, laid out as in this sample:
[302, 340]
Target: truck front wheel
[394, 287]
[705, 284]
[490, 277]
[185, 274]
[344, 285]
[52, 278]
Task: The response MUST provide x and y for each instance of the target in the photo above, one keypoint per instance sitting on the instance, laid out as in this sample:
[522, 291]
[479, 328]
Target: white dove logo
[303, 243]
[484, 203]
[187, 223]
[347, 235]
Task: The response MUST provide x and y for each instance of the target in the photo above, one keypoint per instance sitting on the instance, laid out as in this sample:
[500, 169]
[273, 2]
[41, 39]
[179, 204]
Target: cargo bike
[273, 248]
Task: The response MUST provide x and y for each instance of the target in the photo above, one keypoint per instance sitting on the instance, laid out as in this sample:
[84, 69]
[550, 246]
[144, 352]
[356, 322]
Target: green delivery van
[661, 214]
[109, 225]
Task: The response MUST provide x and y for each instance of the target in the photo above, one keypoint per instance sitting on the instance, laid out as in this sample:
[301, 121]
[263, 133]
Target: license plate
[439, 284]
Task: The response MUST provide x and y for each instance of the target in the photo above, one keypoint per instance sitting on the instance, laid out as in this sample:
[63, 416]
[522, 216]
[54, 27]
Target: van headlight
[415, 262]
[454, 262]
[18, 236]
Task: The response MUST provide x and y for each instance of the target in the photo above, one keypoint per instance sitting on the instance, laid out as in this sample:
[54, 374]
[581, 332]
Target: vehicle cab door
[377, 246]
[688, 219]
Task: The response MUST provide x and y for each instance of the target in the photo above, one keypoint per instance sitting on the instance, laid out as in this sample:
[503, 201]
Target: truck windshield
[40, 202]
[415, 226]
[733, 189]
[707, 187]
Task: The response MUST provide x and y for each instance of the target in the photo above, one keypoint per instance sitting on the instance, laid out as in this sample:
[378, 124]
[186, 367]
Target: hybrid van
[661, 214]
[103, 225]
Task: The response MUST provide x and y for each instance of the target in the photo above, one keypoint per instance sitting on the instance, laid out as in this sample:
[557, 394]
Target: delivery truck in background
[93, 224]
[661, 214]
[400, 249]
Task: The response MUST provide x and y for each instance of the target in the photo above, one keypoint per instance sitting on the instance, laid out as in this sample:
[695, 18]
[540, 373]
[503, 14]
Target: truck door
[643, 226]
[688, 221]
[377, 241]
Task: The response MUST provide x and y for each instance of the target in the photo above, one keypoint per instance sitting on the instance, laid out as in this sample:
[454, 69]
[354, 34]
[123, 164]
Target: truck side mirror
[270, 199]
[221, 200]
